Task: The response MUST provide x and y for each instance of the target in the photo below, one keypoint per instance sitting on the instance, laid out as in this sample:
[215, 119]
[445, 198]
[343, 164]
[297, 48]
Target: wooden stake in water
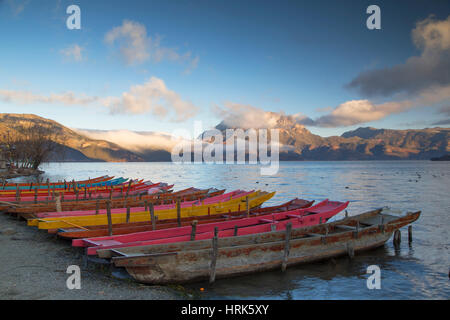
[286, 246]
[212, 268]
[397, 237]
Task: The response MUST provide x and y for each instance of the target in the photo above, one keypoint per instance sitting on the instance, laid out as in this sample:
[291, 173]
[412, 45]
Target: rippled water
[416, 271]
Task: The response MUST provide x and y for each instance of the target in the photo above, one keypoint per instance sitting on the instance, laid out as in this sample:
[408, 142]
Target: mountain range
[297, 142]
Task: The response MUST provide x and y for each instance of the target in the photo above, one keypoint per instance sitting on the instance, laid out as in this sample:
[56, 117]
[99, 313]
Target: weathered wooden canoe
[233, 256]
[255, 199]
[244, 226]
[127, 228]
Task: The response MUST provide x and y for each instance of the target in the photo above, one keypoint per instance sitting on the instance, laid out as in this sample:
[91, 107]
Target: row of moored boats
[163, 236]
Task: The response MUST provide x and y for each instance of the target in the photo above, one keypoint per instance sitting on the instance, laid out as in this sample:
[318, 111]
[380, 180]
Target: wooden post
[17, 192]
[235, 230]
[212, 274]
[76, 196]
[152, 215]
[145, 205]
[350, 251]
[356, 233]
[31, 186]
[97, 204]
[397, 237]
[346, 213]
[85, 192]
[108, 213]
[179, 212]
[128, 213]
[90, 195]
[286, 246]
[410, 234]
[194, 228]
[48, 189]
[320, 220]
[58, 202]
[35, 195]
[128, 190]
[247, 206]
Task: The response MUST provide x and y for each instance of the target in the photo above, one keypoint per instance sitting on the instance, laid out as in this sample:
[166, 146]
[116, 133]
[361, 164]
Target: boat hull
[245, 257]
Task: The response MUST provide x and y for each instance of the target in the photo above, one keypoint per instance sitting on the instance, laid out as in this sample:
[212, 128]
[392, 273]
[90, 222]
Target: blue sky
[294, 57]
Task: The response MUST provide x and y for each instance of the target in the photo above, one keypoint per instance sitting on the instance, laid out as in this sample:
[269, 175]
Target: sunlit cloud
[152, 97]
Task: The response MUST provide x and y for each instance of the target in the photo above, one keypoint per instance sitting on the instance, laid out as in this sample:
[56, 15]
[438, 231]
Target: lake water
[416, 271]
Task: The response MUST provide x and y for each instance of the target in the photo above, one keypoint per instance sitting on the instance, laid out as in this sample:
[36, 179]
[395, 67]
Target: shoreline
[35, 264]
[9, 175]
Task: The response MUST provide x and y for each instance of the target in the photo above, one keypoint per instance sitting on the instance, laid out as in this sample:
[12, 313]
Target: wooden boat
[126, 228]
[162, 197]
[116, 184]
[66, 186]
[140, 209]
[232, 256]
[29, 185]
[244, 226]
[196, 208]
[77, 200]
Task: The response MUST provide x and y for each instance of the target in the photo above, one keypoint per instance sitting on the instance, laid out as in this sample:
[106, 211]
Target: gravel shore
[34, 263]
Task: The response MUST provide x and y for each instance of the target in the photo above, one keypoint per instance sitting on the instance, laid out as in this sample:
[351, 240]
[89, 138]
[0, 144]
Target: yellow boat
[255, 199]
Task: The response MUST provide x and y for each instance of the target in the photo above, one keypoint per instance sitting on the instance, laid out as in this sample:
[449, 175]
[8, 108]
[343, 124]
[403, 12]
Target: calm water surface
[416, 271]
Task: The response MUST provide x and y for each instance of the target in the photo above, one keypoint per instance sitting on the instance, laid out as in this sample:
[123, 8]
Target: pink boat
[117, 192]
[184, 204]
[265, 223]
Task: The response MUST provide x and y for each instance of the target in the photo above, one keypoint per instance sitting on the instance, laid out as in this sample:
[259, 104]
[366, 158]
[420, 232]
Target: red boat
[126, 228]
[266, 223]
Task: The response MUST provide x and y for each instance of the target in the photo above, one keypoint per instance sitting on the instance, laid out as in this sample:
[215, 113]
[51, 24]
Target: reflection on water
[419, 271]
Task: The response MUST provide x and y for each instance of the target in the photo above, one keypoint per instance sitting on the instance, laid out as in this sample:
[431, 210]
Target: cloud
[17, 6]
[137, 47]
[237, 115]
[445, 111]
[154, 97]
[133, 141]
[192, 65]
[361, 111]
[27, 97]
[151, 97]
[73, 52]
[418, 73]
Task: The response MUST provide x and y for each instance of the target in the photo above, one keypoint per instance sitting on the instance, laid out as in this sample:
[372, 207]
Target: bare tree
[29, 146]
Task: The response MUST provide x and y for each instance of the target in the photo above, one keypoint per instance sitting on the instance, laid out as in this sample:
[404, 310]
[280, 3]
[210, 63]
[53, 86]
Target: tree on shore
[29, 146]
